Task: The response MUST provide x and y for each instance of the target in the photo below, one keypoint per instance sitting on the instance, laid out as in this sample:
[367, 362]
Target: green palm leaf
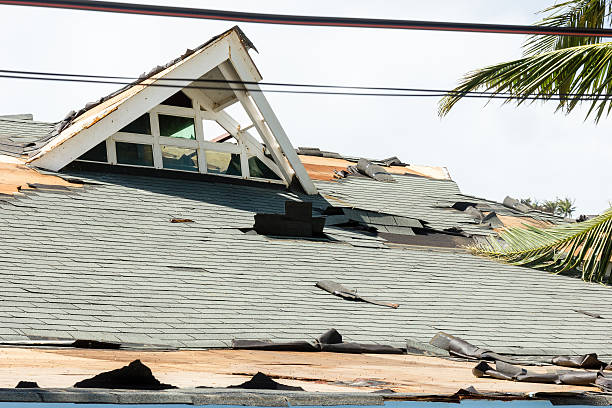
[575, 14]
[570, 75]
[584, 246]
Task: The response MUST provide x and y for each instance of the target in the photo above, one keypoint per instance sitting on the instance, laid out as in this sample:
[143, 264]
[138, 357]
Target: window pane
[178, 99]
[223, 163]
[179, 158]
[97, 154]
[176, 126]
[132, 153]
[257, 168]
[142, 125]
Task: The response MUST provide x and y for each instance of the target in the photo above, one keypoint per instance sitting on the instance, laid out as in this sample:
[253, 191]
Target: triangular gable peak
[158, 122]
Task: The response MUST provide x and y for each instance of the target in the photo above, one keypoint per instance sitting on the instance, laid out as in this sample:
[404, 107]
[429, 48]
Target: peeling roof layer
[104, 262]
[18, 177]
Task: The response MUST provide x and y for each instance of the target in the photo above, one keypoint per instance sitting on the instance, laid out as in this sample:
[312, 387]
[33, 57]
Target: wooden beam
[239, 71]
[232, 127]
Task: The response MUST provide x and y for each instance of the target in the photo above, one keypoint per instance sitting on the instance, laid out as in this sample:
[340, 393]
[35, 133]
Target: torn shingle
[350, 294]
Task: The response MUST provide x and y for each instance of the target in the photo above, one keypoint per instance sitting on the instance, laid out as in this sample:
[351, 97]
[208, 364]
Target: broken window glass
[178, 99]
[179, 158]
[223, 163]
[259, 169]
[142, 126]
[97, 153]
[136, 154]
[176, 126]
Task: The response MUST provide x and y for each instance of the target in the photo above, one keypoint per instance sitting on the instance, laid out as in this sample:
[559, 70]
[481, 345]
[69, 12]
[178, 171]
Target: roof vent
[296, 222]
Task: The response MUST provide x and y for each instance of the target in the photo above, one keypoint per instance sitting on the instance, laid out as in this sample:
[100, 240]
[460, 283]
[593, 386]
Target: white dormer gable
[159, 122]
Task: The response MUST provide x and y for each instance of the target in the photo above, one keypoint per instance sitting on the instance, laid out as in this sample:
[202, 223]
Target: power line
[134, 81]
[185, 12]
[425, 92]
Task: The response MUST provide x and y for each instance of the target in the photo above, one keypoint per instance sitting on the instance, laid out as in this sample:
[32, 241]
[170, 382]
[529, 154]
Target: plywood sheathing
[510, 221]
[325, 168]
[15, 177]
[220, 368]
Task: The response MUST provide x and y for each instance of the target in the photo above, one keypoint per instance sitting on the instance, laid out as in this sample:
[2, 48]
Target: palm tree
[565, 206]
[564, 69]
[584, 246]
[569, 71]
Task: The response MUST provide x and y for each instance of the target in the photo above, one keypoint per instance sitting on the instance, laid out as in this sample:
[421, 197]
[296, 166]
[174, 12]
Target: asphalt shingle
[104, 262]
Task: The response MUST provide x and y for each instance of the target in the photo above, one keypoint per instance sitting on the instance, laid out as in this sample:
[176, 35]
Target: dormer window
[174, 120]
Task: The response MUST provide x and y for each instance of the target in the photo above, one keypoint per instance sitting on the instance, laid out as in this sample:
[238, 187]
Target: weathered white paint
[239, 59]
[86, 133]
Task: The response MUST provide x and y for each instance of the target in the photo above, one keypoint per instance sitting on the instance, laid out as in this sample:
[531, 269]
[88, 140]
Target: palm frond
[584, 246]
[569, 76]
[572, 14]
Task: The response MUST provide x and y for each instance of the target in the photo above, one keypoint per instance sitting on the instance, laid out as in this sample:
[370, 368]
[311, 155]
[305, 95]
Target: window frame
[200, 144]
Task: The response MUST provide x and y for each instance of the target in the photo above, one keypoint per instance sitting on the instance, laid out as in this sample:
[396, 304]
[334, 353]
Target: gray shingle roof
[18, 137]
[104, 262]
[409, 196]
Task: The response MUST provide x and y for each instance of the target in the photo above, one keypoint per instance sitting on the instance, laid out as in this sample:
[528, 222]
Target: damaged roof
[112, 255]
[104, 262]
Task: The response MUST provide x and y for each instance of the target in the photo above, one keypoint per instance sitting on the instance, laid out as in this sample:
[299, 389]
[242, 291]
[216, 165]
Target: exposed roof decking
[104, 262]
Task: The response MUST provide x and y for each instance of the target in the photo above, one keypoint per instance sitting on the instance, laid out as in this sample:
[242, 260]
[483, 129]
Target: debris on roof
[296, 222]
[374, 171]
[330, 341]
[134, 376]
[332, 166]
[260, 381]
[217, 283]
[350, 294]
[516, 204]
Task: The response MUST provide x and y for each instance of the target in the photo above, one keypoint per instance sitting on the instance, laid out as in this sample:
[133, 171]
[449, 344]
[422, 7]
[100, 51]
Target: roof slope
[21, 137]
[105, 262]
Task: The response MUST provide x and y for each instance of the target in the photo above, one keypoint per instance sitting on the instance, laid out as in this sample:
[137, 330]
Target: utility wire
[284, 91]
[135, 81]
[185, 12]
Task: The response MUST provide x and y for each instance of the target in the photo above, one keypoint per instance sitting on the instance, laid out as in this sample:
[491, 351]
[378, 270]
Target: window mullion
[157, 155]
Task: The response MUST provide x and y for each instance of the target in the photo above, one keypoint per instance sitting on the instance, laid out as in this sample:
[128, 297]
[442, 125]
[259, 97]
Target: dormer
[176, 119]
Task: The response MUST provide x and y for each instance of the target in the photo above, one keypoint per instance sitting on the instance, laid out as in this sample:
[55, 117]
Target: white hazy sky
[491, 151]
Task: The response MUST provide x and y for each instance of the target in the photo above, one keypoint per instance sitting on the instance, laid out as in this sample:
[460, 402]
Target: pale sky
[491, 151]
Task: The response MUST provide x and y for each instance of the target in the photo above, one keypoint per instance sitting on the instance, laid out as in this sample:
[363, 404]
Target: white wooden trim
[244, 162]
[133, 138]
[178, 142]
[281, 168]
[158, 161]
[88, 132]
[232, 127]
[220, 147]
[199, 130]
[111, 153]
[239, 60]
[174, 111]
[259, 124]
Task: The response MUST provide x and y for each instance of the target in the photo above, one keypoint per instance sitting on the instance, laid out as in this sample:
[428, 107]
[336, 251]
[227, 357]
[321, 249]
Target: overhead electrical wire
[407, 92]
[237, 16]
